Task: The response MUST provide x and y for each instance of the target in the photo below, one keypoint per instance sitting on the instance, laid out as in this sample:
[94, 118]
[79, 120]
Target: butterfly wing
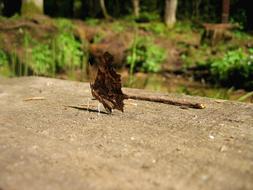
[107, 85]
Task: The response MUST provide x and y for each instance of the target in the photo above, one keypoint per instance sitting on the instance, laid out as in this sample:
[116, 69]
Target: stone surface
[45, 145]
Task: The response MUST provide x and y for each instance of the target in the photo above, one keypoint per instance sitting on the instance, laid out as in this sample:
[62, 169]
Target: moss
[30, 8]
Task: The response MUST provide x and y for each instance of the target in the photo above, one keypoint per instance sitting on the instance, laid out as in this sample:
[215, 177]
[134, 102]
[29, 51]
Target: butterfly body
[106, 87]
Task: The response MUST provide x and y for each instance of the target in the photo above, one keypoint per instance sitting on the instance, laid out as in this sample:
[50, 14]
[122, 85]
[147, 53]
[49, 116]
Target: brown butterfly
[106, 86]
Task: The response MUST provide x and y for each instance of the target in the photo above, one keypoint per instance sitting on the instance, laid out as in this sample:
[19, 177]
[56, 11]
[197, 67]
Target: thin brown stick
[165, 101]
[34, 98]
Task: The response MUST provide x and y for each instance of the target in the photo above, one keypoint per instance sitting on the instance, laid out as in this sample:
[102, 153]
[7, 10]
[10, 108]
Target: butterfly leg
[99, 108]
[89, 103]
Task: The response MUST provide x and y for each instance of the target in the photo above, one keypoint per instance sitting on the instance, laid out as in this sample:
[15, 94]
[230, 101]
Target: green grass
[92, 21]
[145, 55]
[4, 61]
[235, 68]
[61, 52]
[98, 37]
[118, 27]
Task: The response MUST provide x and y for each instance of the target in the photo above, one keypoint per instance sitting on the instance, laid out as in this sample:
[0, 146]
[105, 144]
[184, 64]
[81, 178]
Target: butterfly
[106, 83]
[106, 86]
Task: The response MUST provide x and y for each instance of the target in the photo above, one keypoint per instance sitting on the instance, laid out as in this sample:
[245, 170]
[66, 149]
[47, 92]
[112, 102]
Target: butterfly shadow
[94, 110]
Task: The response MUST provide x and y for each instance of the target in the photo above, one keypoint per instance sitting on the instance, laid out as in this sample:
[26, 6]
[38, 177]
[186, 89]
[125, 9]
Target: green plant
[145, 55]
[38, 57]
[246, 96]
[223, 93]
[27, 50]
[41, 59]
[92, 21]
[241, 35]
[118, 27]
[156, 28]
[63, 53]
[235, 68]
[68, 51]
[4, 64]
[148, 16]
[183, 26]
[64, 25]
[3, 58]
[98, 37]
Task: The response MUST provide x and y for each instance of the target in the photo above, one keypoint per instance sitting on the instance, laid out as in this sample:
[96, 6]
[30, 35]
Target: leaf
[246, 96]
[107, 85]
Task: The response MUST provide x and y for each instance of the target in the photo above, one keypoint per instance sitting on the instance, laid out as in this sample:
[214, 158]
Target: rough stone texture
[45, 145]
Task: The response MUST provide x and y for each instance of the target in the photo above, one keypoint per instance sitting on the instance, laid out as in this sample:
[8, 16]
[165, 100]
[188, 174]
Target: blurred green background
[198, 47]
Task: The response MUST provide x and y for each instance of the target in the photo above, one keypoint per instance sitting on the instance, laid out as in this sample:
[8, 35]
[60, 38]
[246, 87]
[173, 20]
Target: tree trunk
[225, 11]
[106, 15]
[136, 7]
[249, 15]
[170, 12]
[30, 7]
[1, 7]
[196, 8]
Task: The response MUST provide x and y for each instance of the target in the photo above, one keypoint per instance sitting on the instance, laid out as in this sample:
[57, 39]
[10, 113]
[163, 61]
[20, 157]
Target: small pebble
[204, 177]
[211, 136]
[223, 148]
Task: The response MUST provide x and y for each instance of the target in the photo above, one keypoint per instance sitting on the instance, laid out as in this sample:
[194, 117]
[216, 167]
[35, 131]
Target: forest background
[198, 47]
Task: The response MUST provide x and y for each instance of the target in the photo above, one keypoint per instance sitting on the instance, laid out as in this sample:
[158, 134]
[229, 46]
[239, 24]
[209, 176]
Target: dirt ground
[45, 145]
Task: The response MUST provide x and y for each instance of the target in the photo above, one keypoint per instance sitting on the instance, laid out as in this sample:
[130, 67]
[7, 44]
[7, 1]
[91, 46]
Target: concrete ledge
[45, 145]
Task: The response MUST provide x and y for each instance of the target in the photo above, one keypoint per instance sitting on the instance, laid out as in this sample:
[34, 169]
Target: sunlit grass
[60, 52]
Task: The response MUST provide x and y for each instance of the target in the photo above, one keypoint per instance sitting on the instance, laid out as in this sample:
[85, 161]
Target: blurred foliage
[148, 17]
[98, 38]
[118, 27]
[41, 59]
[3, 58]
[198, 10]
[64, 25]
[220, 93]
[4, 61]
[246, 96]
[241, 35]
[145, 56]
[38, 56]
[234, 69]
[61, 52]
[4, 64]
[68, 49]
[192, 56]
[92, 21]
[185, 26]
[157, 28]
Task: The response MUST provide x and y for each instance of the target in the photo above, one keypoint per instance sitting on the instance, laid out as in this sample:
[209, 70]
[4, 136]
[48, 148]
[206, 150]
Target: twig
[34, 98]
[165, 101]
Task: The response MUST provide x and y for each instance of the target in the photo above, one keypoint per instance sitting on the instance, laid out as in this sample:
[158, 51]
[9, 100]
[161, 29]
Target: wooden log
[215, 33]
